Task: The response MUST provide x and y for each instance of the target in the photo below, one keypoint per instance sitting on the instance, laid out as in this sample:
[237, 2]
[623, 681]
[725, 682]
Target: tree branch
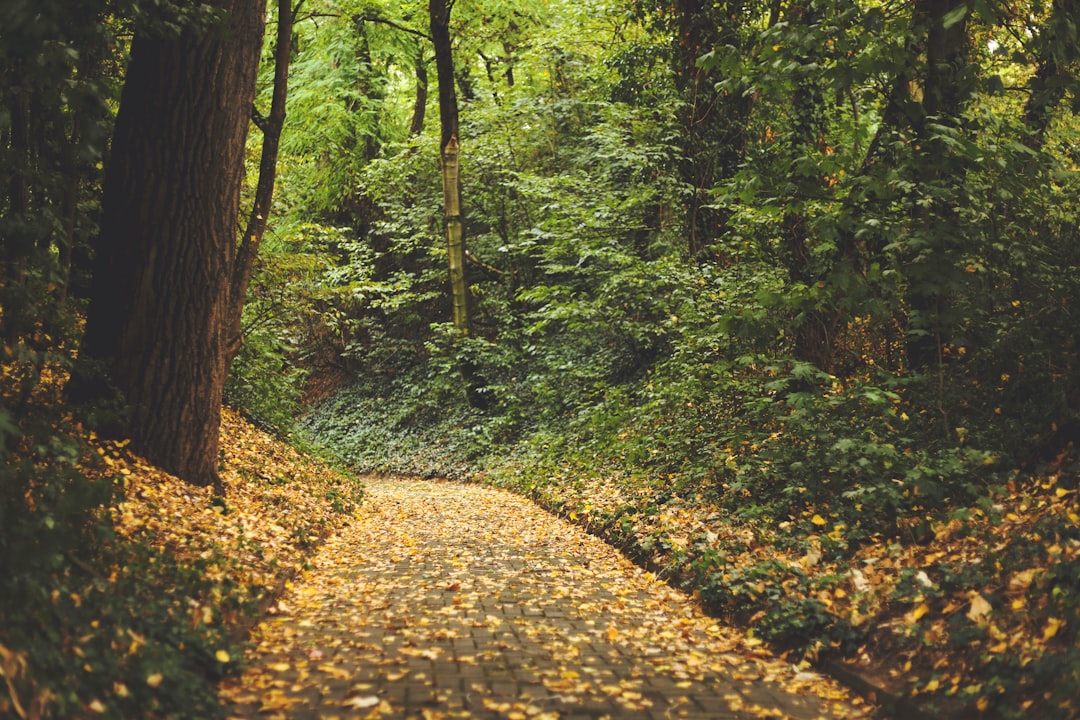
[271, 125]
[391, 23]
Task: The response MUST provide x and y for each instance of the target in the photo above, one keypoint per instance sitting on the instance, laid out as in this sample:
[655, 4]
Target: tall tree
[160, 298]
[946, 86]
[814, 330]
[449, 148]
[1055, 74]
[271, 127]
[713, 109]
[416, 125]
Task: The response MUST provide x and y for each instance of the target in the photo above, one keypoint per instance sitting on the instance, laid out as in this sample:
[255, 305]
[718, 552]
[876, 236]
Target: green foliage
[58, 85]
[781, 263]
[789, 365]
[404, 427]
[264, 383]
[279, 320]
[86, 619]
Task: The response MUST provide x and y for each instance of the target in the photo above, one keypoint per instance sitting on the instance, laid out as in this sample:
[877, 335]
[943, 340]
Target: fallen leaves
[146, 616]
[979, 608]
[244, 539]
[984, 591]
[457, 601]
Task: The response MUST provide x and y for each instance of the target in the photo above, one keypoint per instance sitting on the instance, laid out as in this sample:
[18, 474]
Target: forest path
[444, 600]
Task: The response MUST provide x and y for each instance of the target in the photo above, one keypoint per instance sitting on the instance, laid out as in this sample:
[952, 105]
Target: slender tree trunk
[1053, 74]
[439, 11]
[696, 168]
[813, 336]
[930, 271]
[18, 244]
[449, 146]
[420, 104]
[455, 235]
[160, 299]
[264, 191]
[714, 123]
[70, 206]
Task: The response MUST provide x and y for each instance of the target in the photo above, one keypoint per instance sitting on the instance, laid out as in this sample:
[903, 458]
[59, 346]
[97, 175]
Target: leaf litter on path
[444, 600]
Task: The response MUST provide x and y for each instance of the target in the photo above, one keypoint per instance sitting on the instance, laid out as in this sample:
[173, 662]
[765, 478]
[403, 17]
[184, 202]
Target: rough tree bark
[160, 297]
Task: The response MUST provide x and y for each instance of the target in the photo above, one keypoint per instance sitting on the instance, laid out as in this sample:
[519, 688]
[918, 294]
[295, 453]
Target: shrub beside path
[444, 600]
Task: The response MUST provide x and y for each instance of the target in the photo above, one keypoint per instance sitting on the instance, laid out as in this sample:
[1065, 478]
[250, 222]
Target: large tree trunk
[160, 297]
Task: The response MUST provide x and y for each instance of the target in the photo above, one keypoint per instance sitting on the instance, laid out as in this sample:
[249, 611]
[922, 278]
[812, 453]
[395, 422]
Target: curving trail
[445, 600]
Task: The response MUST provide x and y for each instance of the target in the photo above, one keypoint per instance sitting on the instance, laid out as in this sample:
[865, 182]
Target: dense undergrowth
[123, 590]
[821, 516]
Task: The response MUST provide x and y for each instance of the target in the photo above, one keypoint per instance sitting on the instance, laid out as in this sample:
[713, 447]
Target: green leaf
[955, 16]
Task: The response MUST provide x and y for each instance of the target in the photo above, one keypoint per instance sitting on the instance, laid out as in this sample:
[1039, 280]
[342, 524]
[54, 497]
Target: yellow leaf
[932, 686]
[1052, 626]
[920, 611]
[97, 706]
[154, 680]
[818, 520]
[979, 607]
[612, 633]
[982, 704]
[334, 671]
[222, 656]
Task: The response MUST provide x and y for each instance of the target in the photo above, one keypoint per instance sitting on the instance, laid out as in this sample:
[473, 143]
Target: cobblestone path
[457, 601]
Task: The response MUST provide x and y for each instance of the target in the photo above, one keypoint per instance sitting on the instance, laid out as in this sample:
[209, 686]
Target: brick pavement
[457, 601]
